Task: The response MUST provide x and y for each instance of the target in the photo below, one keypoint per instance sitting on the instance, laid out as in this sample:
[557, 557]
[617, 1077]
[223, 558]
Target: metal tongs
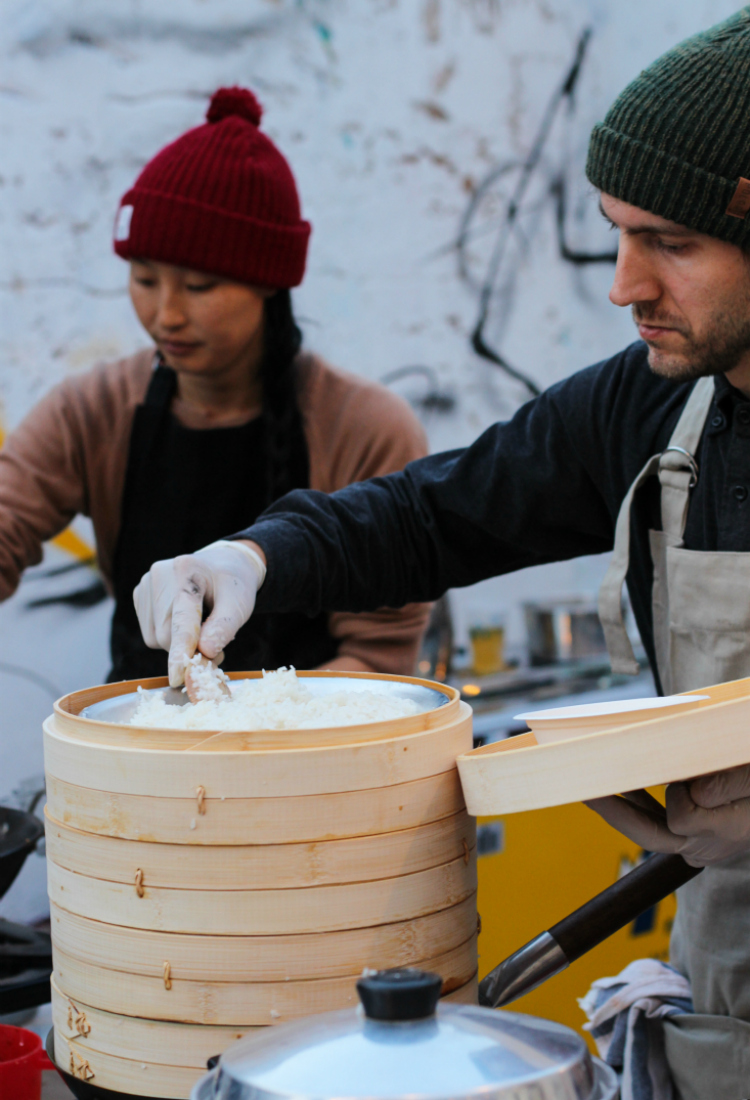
[554, 950]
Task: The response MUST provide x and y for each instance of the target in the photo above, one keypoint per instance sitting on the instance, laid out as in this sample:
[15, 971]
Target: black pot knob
[403, 993]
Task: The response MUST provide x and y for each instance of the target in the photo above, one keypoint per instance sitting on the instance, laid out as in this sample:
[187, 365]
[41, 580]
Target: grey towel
[626, 1016]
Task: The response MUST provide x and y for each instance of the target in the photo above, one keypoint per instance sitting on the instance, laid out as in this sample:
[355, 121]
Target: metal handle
[554, 950]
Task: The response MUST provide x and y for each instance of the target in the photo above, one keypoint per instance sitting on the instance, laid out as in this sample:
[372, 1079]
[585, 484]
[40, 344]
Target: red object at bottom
[22, 1060]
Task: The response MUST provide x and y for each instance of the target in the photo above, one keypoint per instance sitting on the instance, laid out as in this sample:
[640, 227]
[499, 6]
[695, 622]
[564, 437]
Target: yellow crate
[551, 862]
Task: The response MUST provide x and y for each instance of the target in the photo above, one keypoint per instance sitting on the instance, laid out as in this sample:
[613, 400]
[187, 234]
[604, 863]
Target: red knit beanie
[221, 199]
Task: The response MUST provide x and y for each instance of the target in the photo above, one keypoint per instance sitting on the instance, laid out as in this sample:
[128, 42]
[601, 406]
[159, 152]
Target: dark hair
[287, 462]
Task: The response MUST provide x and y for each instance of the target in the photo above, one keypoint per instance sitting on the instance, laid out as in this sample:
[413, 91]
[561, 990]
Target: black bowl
[85, 1090]
[19, 833]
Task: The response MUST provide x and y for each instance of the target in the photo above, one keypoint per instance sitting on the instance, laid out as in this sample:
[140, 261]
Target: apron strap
[678, 470]
[619, 646]
[678, 473]
[163, 385]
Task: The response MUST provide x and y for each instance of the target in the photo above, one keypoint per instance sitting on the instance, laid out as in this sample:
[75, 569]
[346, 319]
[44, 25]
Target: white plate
[559, 723]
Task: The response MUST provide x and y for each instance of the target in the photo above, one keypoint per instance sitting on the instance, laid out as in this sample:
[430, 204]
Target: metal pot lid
[400, 1046]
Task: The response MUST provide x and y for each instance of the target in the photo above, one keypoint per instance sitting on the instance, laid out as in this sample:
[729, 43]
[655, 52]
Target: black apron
[185, 488]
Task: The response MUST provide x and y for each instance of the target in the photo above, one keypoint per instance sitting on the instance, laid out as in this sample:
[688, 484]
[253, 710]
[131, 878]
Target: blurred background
[457, 255]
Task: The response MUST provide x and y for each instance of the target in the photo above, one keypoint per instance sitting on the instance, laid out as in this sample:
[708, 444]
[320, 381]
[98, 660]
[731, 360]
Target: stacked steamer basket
[203, 885]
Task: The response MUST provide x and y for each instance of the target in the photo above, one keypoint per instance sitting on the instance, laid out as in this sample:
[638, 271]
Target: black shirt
[184, 488]
[545, 486]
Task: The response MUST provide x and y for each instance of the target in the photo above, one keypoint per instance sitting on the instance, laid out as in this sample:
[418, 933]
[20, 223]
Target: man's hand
[169, 601]
[705, 820]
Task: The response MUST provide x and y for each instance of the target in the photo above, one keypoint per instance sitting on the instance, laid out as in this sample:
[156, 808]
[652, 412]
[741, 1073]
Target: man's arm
[357, 429]
[521, 495]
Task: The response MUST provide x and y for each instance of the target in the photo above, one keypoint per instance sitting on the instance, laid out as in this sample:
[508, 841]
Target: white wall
[391, 114]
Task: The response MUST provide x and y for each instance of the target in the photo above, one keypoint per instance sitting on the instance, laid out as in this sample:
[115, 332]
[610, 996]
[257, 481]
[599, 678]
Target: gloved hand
[705, 820]
[169, 601]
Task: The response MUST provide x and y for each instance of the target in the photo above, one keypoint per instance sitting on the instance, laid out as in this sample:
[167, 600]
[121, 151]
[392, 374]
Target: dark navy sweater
[545, 486]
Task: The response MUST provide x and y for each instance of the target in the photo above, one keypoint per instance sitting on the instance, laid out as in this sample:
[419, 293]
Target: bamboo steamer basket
[204, 819]
[233, 1004]
[262, 958]
[89, 1056]
[68, 719]
[266, 866]
[209, 882]
[233, 912]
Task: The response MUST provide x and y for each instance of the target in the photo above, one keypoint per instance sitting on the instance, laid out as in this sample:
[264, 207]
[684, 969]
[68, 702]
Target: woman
[177, 445]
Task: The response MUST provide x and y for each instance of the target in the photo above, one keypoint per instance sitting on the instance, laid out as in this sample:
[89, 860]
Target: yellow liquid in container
[487, 646]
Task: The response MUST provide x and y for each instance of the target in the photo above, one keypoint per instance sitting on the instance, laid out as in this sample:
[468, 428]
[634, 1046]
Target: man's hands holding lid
[705, 820]
[169, 601]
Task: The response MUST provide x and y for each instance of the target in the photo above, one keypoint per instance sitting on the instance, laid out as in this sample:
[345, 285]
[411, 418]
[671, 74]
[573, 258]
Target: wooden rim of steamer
[68, 720]
[265, 820]
[232, 1004]
[256, 773]
[266, 912]
[517, 775]
[266, 866]
[262, 958]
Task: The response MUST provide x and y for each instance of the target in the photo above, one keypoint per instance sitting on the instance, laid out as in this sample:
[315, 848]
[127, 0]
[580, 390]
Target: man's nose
[635, 280]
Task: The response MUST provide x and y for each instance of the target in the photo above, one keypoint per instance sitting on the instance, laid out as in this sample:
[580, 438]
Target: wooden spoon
[205, 681]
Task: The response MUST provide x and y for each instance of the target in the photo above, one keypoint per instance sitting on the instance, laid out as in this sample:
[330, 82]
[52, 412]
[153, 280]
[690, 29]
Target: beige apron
[701, 610]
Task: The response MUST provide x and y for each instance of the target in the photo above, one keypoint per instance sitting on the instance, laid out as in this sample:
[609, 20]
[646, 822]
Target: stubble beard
[721, 348]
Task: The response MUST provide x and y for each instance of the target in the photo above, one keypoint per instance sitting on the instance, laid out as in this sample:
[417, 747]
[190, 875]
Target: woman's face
[202, 324]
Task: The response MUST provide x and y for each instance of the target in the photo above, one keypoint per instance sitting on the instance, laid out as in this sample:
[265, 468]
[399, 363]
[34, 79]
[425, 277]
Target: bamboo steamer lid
[263, 958]
[518, 775]
[266, 866]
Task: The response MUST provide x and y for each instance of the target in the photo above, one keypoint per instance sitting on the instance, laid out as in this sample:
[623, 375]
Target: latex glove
[705, 820]
[169, 601]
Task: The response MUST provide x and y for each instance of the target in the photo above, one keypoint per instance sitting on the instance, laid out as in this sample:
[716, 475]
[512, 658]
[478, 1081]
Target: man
[636, 438]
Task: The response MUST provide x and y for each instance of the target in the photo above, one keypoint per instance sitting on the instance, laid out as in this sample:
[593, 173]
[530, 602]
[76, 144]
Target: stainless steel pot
[563, 630]
[401, 1044]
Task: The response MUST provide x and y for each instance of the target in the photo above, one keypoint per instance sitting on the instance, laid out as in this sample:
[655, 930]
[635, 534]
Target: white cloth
[625, 1020]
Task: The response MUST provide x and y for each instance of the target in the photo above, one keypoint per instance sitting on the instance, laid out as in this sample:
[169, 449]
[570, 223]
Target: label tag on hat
[122, 225]
[740, 203]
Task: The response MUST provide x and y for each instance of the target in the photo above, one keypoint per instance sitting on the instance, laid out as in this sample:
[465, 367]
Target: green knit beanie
[676, 142]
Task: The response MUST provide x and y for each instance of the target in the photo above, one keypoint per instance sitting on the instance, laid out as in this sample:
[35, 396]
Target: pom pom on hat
[234, 101]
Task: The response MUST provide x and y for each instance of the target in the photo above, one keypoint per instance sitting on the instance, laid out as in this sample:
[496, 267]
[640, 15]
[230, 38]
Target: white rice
[278, 701]
[206, 678]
